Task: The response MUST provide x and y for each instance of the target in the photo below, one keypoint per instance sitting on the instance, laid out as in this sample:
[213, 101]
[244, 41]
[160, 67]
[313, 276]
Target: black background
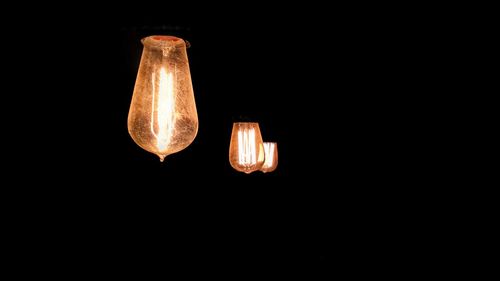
[323, 86]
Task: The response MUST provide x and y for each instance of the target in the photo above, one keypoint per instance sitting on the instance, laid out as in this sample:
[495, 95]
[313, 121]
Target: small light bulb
[246, 151]
[271, 157]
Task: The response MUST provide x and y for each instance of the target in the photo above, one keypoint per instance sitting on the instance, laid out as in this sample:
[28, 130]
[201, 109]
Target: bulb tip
[162, 157]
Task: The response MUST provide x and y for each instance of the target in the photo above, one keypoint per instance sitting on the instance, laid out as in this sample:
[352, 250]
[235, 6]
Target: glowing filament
[246, 142]
[164, 100]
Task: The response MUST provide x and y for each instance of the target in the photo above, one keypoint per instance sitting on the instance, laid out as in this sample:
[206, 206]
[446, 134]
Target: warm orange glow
[246, 153]
[271, 157]
[162, 117]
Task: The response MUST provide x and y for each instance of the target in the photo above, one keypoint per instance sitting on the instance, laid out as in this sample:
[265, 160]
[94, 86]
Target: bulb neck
[163, 41]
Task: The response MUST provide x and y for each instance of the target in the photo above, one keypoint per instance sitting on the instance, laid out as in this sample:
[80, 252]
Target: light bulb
[162, 117]
[246, 151]
[271, 157]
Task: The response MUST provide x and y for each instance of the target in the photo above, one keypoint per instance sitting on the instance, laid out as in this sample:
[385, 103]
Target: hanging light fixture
[162, 117]
[246, 150]
[271, 157]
